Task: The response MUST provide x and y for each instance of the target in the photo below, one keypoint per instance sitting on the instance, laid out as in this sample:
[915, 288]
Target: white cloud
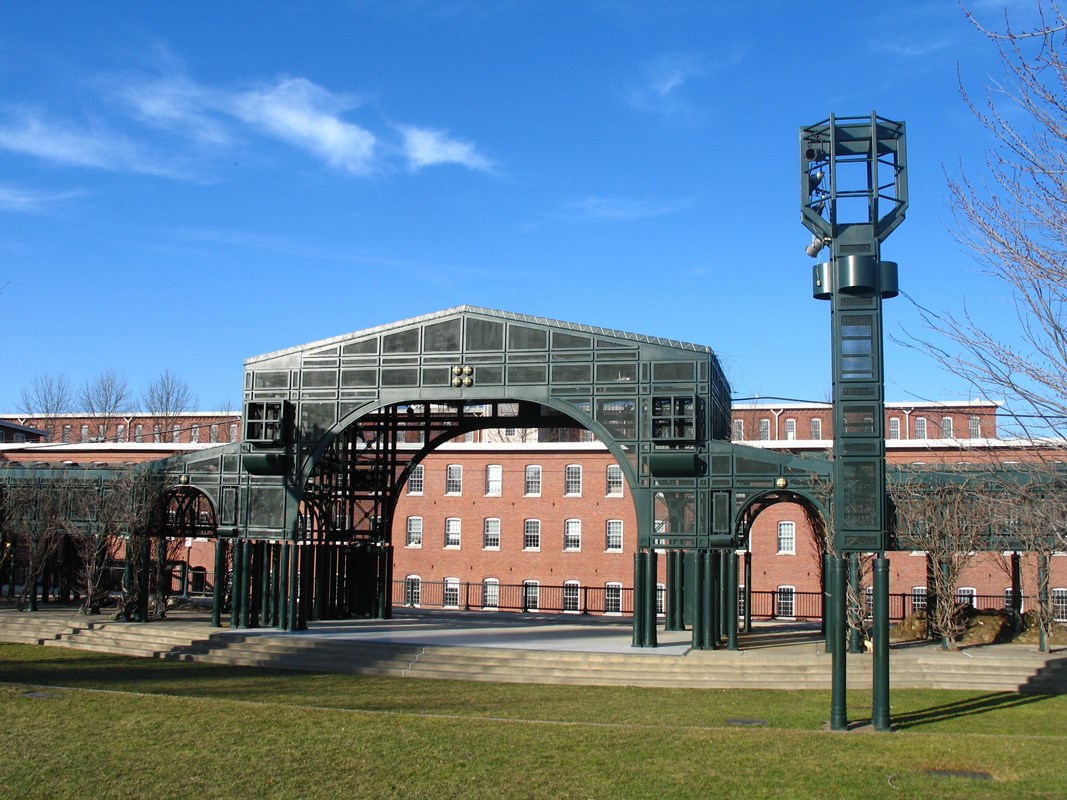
[425, 147]
[658, 85]
[617, 208]
[178, 104]
[13, 198]
[306, 115]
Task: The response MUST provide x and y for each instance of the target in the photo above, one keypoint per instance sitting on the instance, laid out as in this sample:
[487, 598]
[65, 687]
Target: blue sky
[185, 185]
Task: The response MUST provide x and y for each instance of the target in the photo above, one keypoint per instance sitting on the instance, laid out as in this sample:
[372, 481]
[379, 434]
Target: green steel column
[748, 591]
[639, 618]
[282, 622]
[827, 603]
[720, 596]
[235, 586]
[838, 710]
[387, 582]
[1016, 592]
[855, 613]
[1042, 599]
[143, 580]
[293, 613]
[127, 579]
[218, 590]
[673, 621]
[650, 598]
[707, 600]
[694, 577]
[731, 599]
[880, 703]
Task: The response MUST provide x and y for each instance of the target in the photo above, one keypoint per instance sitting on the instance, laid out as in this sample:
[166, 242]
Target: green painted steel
[880, 716]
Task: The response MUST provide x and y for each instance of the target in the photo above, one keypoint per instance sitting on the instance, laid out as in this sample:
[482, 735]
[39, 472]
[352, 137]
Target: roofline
[994, 404]
[489, 312]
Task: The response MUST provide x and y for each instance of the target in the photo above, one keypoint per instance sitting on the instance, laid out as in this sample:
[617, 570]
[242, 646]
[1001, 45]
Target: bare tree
[105, 397]
[948, 518]
[1013, 219]
[36, 510]
[167, 397]
[47, 397]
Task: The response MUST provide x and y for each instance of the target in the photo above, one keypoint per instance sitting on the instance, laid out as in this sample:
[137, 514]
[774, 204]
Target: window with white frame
[816, 428]
[571, 593]
[454, 479]
[614, 536]
[66, 433]
[531, 595]
[413, 537]
[741, 601]
[614, 482]
[213, 432]
[894, 428]
[613, 598]
[868, 602]
[572, 534]
[785, 599]
[85, 433]
[1009, 595]
[176, 433]
[790, 429]
[946, 427]
[101, 432]
[764, 430]
[453, 532]
[661, 598]
[739, 430]
[412, 590]
[531, 534]
[491, 534]
[450, 598]
[494, 480]
[532, 481]
[157, 433]
[918, 598]
[194, 435]
[1059, 605]
[787, 538]
[120, 432]
[572, 480]
[974, 428]
[233, 431]
[490, 593]
[967, 596]
[920, 427]
[416, 480]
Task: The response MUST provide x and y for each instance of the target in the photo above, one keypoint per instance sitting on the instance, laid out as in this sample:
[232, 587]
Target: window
[674, 417]
[1059, 605]
[785, 599]
[450, 598]
[101, 433]
[510, 432]
[741, 601]
[532, 482]
[614, 480]
[967, 596]
[868, 603]
[974, 428]
[412, 590]
[213, 432]
[572, 534]
[85, 433]
[894, 428]
[176, 433]
[531, 534]
[920, 427]
[571, 591]
[414, 532]
[531, 592]
[453, 527]
[661, 598]
[491, 534]
[946, 427]
[454, 479]
[739, 430]
[613, 598]
[572, 480]
[233, 431]
[66, 433]
[614, 536]
[494, 479]
[416, 480]
[790, 430]
[120, 432]
[764, 430]
[787, 538]
[1008, 595]
[194, 435]
[491, 593]
[816, 428]
[918, 598]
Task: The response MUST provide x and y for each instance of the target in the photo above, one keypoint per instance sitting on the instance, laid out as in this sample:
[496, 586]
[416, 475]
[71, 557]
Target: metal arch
[187, 501]
[757, 504]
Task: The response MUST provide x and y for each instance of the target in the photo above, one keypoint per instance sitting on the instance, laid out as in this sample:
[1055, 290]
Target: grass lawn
[163, 730]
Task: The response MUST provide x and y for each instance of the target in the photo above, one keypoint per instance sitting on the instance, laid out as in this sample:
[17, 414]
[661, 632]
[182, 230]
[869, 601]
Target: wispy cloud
[202, 121]
[620, 209]
[913, 49]
[13, 198]
[425, 147]
[308, 116]
[659, 87]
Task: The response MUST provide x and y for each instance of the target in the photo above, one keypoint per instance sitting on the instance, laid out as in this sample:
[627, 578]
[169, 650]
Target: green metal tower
[853, 194]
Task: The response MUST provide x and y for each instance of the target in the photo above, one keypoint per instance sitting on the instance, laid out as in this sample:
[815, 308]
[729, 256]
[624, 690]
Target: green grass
[186, 730]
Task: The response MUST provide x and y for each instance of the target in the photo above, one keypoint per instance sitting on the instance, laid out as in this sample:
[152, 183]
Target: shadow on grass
[971, 706]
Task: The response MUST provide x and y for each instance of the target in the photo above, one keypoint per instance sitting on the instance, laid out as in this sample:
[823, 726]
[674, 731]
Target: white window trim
[790, 551]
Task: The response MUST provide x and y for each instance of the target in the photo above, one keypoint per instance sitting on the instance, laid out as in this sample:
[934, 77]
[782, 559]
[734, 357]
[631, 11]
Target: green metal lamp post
[853, 194]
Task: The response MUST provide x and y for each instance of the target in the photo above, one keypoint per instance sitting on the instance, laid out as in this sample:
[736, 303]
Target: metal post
[1016, 592]
[713, 574]
[838, 703]
[673, 621]
[748, 591]
[707, 600]
[639, 618]
[855, 613]
[218, 590]
[880, 701]
[283, 587]
[1042, 599]
[695, 576]
[731, 599]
